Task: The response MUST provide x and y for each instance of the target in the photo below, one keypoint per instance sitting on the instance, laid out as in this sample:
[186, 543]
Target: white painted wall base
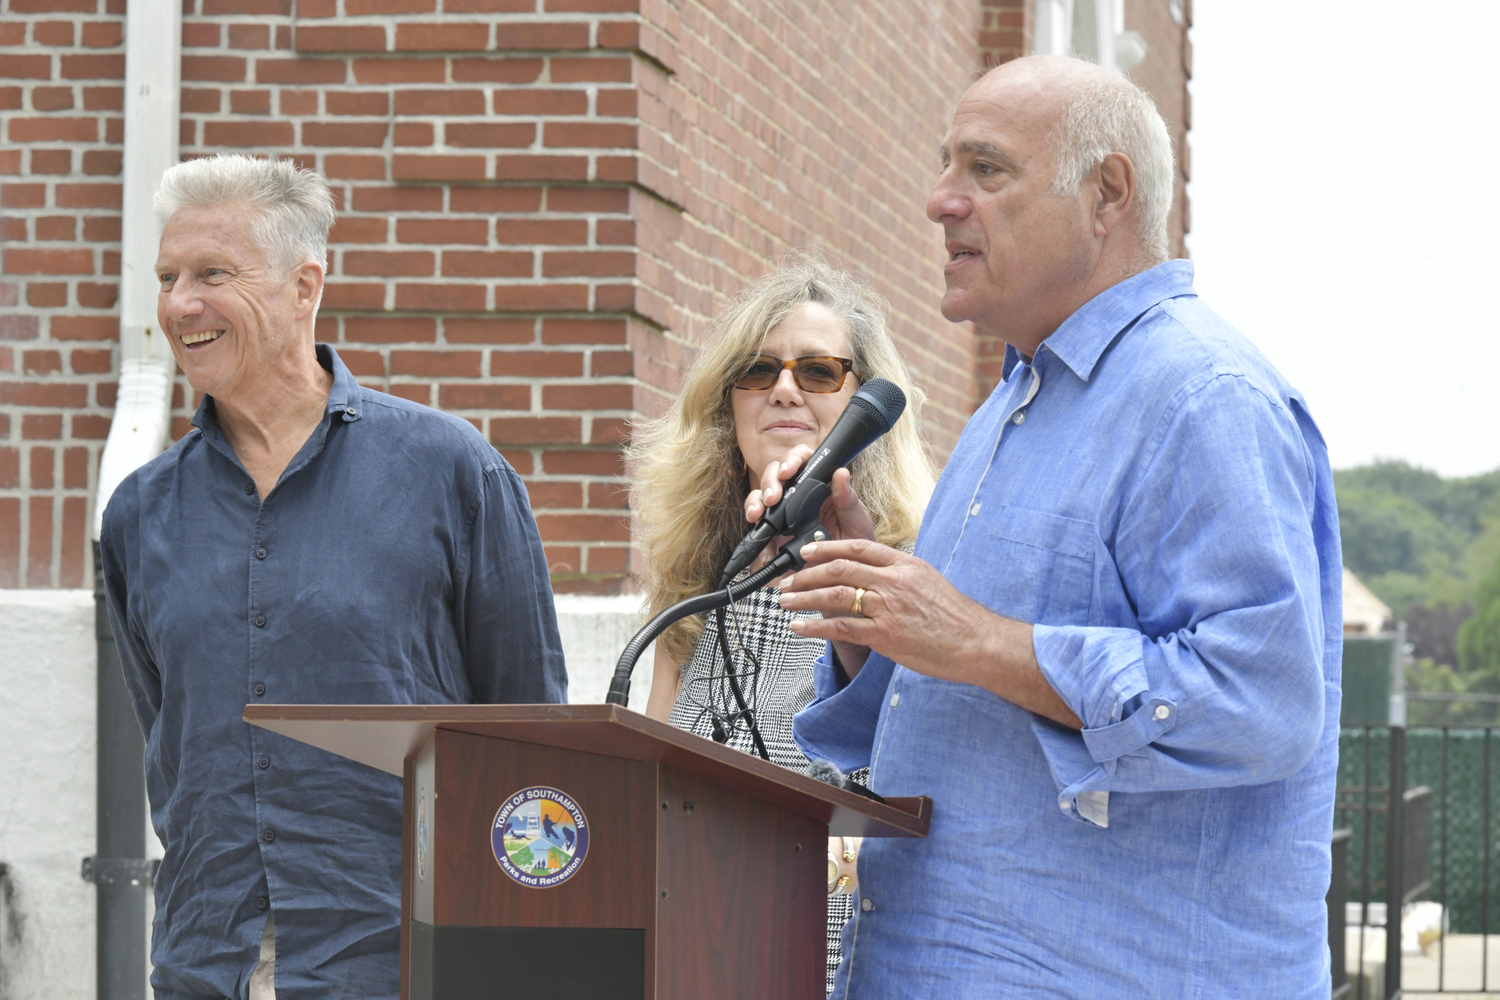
[47, 718]
[594, 630]
[48, 671]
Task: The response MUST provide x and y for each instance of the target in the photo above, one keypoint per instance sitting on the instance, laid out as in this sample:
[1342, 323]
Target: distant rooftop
[1363, 611]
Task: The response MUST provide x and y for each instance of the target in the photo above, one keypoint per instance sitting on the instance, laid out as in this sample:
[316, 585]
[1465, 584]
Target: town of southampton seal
[540, 837]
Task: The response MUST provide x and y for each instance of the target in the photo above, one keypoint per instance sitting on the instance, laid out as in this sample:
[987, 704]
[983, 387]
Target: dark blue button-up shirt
[395, 562]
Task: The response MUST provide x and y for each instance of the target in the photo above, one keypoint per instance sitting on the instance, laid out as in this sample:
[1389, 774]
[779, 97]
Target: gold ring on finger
[859, 600]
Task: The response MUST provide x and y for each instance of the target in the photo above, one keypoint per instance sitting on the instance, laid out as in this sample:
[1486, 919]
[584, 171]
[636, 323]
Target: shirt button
[261, 902]
[260, 688]
[1065, 806]
[268, 836]
[260, 553]
[1162, 712]
[260, 621]
[249, 488]
[352, 412]
[895, 699]
[1019, 418]
[867, 904]
[974, 510]
[263, 763]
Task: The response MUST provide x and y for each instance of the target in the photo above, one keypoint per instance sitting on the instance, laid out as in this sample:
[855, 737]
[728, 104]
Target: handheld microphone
[871, 412]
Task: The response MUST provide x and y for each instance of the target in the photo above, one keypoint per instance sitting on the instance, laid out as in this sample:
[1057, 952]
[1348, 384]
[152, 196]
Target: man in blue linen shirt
[310, 541]
[1113, 660]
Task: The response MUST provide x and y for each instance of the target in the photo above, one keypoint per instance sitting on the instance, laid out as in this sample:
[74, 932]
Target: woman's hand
[842, 514]
[843, 874]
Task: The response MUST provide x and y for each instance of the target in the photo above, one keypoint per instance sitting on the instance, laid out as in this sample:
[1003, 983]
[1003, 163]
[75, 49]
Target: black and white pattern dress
[780, 688]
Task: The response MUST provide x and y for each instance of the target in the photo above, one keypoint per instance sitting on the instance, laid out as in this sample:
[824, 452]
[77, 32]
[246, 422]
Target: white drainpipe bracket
[142, 422]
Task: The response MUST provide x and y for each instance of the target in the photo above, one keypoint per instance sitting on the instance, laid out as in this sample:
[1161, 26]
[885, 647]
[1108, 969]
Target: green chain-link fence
[1462, 768]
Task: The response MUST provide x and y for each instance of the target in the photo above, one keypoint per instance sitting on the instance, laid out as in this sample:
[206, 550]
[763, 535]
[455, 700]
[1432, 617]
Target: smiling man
[1113, 660]
[309, 541]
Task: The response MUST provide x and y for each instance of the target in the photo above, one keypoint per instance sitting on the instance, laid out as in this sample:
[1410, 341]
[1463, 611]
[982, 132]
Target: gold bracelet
[850, 854]
[842, 887]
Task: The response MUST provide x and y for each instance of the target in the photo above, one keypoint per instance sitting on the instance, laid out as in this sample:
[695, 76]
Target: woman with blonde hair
[775, 372]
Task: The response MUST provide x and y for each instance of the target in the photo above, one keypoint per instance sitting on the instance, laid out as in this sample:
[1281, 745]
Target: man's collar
[343, 397]
[345, 394]
[1083, 336]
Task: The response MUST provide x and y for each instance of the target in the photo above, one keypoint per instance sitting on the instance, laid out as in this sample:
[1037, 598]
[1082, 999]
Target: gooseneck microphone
[871, 412]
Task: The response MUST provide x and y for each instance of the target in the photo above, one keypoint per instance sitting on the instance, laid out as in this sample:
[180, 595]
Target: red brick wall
[799, 123]
[61, 66]
[541, 204]
[1165, 72]
[1004, 31]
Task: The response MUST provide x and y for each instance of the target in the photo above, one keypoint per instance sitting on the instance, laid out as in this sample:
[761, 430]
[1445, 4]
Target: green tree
[1433, 678]
[1479, 639]
[1415, 538]
[1484, 551]
[1457, 503]
[1386, 533]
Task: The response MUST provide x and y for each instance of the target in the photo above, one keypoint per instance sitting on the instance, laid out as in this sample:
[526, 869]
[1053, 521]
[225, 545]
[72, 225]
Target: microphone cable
[734, 684]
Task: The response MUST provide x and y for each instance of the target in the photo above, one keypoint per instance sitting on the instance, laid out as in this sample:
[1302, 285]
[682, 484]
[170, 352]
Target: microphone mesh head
[826, 771]
[881, 398]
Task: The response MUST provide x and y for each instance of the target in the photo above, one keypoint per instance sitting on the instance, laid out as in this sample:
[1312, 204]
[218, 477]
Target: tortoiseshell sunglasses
[811, 372]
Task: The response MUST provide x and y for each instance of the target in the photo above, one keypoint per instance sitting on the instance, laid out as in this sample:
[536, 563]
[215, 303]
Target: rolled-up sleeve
[1222, 682]
[839, 725]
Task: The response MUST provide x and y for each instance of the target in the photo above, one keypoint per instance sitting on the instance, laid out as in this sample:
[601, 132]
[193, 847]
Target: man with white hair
[1113, 660]
[309, 541]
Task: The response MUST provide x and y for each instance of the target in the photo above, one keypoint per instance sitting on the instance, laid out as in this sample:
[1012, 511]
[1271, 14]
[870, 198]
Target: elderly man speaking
[1113, 661]
[310, 541]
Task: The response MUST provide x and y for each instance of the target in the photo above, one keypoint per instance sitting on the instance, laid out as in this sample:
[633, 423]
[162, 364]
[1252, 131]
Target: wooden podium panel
[702, 871]
[465, 887]
[744, 907]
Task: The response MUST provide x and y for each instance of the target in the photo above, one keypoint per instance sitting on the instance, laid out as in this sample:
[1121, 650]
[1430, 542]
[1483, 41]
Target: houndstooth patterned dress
[781, 687]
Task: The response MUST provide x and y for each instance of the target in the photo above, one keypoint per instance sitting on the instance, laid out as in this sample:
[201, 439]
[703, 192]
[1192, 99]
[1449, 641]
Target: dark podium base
[558, 963]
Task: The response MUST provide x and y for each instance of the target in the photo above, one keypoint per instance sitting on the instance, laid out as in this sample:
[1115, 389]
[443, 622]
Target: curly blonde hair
[690, 482]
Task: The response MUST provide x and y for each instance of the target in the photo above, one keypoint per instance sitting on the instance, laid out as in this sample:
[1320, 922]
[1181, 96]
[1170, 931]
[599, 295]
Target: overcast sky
[1345, 213]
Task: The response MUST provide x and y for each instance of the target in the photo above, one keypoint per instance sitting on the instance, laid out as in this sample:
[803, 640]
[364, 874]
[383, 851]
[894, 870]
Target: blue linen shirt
[396, 561]
[1150, 494]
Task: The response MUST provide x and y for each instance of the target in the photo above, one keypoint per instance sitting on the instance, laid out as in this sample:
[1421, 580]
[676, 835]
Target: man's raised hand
[909, 612]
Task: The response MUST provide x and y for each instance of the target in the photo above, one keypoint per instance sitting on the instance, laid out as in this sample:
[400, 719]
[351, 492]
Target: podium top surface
[385, 736]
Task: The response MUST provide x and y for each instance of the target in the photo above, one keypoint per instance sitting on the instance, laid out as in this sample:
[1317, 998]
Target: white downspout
[142, 420]
[121, 869]
[1104, 32]
[1052, 27]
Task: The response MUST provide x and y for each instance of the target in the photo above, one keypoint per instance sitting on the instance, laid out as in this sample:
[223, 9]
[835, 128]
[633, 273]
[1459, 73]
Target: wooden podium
[586, 851]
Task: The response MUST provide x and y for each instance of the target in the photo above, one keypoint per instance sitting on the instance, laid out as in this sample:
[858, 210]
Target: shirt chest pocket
[1029, 565]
